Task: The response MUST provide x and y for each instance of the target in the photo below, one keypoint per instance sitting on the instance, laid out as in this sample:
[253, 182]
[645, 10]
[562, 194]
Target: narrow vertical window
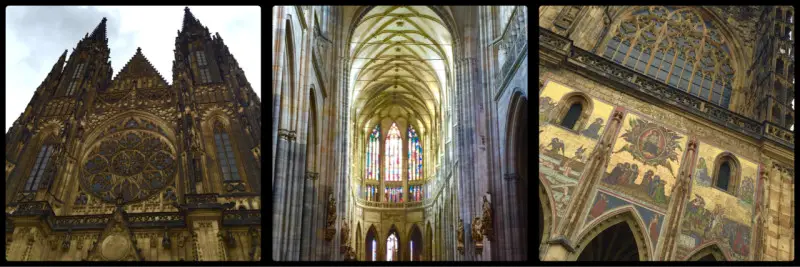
[724, 176]
[414, 155]
[373, 151]
[227, 160]
[572, 116]
[374, 250]
[38, 169]
[393, 150]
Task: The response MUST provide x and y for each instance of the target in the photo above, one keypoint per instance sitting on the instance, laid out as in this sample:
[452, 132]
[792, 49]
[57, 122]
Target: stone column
[204, 219]
[679, 195]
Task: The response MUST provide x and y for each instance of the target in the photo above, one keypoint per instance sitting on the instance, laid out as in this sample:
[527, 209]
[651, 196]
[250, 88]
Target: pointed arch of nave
[393, 230]
[547, 214]
[415, 235]
[372, 234]
[517, 135]
[709, 252]
[624, 218]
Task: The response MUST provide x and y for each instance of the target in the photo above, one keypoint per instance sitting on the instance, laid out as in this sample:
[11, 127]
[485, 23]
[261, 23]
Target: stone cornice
[556, 49]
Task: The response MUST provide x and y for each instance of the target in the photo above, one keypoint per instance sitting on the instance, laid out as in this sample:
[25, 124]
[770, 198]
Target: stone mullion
[679, 194]
[277, 80]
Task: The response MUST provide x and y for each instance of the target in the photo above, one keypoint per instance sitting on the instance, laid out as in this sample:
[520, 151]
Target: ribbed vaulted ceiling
[399, 55]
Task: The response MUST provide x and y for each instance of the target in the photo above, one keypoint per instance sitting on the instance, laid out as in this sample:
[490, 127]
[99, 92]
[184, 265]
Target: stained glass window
[679, 44]
[38, 168]
[371, 193]
[414, 155]
[393, 150]
[373, 151]
[393, 194]
[415, 193]
[225, 156]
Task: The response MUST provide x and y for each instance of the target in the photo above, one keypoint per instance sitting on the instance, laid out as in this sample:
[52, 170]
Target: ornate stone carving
[486, 219]
[460, 236]
[330, 230]
[477, 234]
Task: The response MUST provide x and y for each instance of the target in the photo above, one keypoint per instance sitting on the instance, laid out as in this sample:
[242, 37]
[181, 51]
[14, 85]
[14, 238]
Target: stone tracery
[133, 163]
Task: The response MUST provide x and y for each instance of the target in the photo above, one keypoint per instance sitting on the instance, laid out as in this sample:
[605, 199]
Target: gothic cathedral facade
[133, 167]
[668, 129]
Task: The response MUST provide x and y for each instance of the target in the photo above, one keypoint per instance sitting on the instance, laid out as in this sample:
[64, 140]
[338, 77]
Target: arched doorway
[371, 245]
[415, 245]
[393, 245]
[616, 241]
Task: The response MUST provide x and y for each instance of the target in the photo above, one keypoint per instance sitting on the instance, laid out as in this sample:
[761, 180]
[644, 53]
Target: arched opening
[415, 245]
[393, 245]
[615, 243]
[572, 116]
[727, 173]
[710, 252]
[519, 134]
[371, 245]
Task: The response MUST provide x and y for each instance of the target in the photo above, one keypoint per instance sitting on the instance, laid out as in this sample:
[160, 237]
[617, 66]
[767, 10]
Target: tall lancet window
[74, 83]
[373, 151]
[414, 156]
[391, 248]
[225, 157]
[38, 168]
[394, 147]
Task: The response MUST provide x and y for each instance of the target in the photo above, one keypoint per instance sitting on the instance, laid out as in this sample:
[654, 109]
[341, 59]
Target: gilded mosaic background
[645, 161]
[562, 152]
[715, 215]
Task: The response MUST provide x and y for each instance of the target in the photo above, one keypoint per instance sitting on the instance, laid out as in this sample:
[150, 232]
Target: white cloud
[36, 37]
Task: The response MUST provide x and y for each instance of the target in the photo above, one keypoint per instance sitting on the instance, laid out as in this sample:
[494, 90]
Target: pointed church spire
[189, 21]
[57, 68]
[99, 33]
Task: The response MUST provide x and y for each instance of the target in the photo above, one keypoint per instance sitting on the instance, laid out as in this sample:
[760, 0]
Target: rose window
[130, 163]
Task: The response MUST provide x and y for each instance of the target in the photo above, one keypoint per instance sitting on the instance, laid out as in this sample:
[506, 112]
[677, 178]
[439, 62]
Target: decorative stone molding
[284, 134]
[310, 175]
[555, 46]
[345, 237]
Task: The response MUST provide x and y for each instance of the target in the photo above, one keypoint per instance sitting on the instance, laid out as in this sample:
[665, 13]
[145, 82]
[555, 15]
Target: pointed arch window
[391, 248]
[38, 168]
[727, 172]
[372, 166]
[202, 66]
[414, 155]
[225, 157]
[74, 83]
[676, 46]
[393, 150]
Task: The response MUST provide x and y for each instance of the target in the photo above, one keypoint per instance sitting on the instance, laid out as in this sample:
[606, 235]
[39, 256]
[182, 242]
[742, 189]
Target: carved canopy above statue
[132, 160]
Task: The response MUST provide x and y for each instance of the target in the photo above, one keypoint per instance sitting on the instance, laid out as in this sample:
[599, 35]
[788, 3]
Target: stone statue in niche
[486, 219]
[460, 236]
[477, 234]
[330, 230]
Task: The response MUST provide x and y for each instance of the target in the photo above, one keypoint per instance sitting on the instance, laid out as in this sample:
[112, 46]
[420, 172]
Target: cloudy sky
[36, 37]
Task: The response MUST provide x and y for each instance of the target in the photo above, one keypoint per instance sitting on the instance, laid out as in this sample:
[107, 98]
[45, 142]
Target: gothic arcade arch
[546, 214]
[710, 251]
[627, 217]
